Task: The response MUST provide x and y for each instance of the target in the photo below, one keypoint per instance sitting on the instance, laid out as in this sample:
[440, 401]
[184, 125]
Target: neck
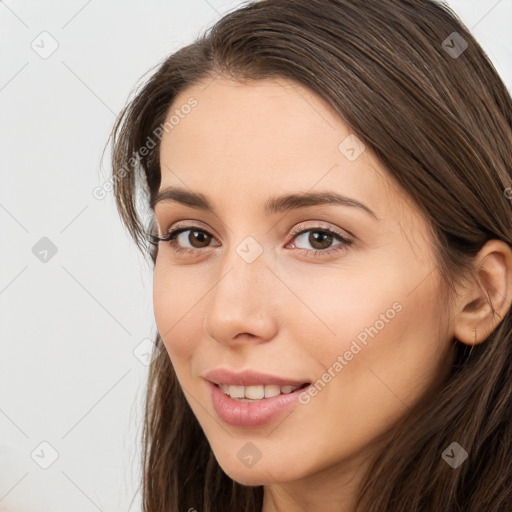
[333, 489]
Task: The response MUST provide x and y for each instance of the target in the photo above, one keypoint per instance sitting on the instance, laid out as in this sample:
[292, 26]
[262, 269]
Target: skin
[290, 312]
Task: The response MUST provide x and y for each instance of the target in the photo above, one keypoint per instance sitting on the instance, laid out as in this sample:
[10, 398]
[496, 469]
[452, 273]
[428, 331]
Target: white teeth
[255, 392]
[272, 390]
[248, 393]
[236, 391]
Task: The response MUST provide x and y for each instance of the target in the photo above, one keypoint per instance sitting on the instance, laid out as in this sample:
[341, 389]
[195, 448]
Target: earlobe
[484, 302]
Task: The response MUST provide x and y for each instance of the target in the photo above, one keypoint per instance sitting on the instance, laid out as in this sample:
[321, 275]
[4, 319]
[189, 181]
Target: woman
[327, 183]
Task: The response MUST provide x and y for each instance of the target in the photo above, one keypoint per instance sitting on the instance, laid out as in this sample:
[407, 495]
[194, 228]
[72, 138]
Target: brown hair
[441, 123]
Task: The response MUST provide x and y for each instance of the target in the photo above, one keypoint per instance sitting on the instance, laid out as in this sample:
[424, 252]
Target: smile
[240, 411]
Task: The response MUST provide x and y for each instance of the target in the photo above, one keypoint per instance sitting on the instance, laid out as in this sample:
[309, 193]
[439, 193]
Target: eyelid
[320, 225]
[182, 224]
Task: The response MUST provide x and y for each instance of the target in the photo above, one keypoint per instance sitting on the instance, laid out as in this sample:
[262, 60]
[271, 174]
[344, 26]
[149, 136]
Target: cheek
[374, 341]
[164, 300]
[343, 306]
[383, 358]
[176, 311]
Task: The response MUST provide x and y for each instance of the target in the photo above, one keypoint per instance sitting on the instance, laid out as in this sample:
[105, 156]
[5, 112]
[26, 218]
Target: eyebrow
[272, 206]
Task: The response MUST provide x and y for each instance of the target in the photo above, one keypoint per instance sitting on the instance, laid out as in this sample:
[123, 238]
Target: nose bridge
[240, 301]
[244, 268]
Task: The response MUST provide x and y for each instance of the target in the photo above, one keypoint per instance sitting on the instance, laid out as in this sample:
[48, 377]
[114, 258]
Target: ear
[483, 302]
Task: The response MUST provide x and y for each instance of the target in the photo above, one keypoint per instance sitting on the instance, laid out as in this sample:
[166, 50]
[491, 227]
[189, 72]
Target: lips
[250, 398]
[246, 413]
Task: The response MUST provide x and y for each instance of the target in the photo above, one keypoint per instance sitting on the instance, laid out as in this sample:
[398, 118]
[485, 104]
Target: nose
[242, 305]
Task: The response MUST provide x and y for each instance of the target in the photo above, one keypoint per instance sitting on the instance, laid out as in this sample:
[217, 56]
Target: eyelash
[172, 234]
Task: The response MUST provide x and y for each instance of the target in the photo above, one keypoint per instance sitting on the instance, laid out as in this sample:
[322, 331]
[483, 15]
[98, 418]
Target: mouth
[257, 392]
[253, 406]
[251, 398]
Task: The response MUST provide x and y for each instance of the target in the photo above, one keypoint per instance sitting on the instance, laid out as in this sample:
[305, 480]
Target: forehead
[267, 137]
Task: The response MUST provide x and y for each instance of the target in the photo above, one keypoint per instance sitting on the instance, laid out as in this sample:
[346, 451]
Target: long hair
[411, 81]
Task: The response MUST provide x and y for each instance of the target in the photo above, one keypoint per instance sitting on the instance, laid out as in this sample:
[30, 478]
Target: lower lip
[251, 414]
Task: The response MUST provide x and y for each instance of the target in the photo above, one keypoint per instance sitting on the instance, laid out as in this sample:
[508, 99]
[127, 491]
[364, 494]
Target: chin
[248, 482]
[259, 474]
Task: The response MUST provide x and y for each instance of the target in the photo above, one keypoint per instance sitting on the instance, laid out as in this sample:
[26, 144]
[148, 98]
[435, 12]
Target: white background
[69, 326]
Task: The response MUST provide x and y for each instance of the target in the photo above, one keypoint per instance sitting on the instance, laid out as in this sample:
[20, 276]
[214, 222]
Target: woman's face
[361, 320]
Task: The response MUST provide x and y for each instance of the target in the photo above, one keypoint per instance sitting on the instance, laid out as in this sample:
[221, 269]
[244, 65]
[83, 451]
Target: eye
[191, 239]
[321, 239]
[177, 237]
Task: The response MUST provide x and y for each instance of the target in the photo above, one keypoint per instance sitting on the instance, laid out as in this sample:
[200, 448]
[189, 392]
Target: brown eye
[320, 240]
[198, 238]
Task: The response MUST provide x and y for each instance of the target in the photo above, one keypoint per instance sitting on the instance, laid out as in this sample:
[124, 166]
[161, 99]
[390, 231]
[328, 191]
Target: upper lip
[249, 378]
